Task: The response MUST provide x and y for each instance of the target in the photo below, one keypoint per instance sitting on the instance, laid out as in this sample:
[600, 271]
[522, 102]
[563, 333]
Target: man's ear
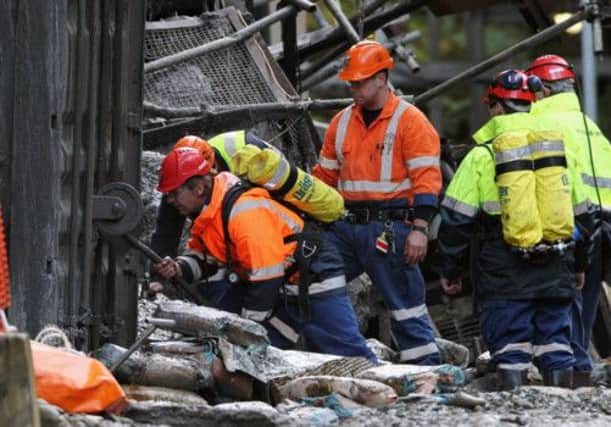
[547, 91]
[206, 185]
[200, 188]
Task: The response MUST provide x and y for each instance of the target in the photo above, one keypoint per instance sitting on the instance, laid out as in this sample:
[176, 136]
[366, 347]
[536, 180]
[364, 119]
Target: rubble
[200, 321]
[247, 414]
[404, 379]
[157, 370]
[162, 394]
[367, 392]
[528, 406]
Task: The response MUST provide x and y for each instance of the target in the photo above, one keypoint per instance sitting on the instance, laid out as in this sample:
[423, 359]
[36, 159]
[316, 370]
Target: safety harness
[309, 242]
[226, 206]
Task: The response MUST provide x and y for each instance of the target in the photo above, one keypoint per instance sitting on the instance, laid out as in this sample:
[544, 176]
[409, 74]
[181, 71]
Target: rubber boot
[509, 379]
[559, 378]
[582, 379]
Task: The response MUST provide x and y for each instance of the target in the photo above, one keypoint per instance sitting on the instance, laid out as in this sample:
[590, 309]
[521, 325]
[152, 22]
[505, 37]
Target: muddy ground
[528, 406]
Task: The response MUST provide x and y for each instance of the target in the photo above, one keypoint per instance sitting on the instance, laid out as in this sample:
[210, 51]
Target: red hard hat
[179, 165]
[513, 84]
[551, 68]
[364, 59]
[199, 144]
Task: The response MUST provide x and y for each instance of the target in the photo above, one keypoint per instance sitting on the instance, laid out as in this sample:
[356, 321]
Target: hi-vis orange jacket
[257, 227]
[397, 157]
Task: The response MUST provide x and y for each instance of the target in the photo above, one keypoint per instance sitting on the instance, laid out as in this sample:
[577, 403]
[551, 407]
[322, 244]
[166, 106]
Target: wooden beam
[18, 405]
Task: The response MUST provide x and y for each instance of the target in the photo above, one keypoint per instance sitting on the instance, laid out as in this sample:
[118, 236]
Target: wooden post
[18, 405]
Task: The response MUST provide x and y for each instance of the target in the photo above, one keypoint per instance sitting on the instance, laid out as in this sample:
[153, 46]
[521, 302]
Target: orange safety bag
[74, 382]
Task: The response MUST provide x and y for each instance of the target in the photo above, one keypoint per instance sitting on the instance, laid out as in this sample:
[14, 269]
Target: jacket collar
[502, 123]
[387, 111]
[222, 183]
[566, 101]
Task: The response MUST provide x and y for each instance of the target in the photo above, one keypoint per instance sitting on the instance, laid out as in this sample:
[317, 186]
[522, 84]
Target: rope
[54, 336]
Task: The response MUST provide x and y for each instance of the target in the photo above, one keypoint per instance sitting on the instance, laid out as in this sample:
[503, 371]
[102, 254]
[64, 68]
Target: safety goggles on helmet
[513, 84]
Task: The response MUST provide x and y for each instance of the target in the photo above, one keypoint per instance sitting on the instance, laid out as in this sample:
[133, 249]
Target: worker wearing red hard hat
[559, 108]
[263, 245]
[512, 207]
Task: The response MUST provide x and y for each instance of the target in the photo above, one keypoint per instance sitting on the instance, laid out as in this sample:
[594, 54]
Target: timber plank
[18, 406]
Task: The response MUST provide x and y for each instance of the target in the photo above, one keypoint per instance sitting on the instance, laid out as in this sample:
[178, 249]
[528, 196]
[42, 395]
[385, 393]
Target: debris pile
[220, 357]
[220, 370]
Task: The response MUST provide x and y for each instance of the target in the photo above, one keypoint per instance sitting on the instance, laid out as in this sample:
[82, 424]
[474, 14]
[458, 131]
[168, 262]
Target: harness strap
[546, 162]
[227, 204]
[288, 184]
[541, 163]
[308, 245]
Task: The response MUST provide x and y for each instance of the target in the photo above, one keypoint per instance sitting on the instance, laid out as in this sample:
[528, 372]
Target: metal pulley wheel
[118, 209]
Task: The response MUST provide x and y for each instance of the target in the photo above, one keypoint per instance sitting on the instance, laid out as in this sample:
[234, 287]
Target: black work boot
[582, 379]
[508, 379]
[559, 378]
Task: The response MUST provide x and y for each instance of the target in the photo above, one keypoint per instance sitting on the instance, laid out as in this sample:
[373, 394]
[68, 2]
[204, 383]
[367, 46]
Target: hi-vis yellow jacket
[474, 204]
[562, 111]
[227, 144]
[534, 203]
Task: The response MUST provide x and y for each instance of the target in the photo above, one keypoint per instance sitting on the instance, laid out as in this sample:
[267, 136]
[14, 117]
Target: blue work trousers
[520, 332]
[585, 307]
[401, 285]
[333, 326]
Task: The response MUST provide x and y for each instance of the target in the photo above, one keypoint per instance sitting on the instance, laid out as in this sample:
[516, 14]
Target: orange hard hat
[515, 85]
[179, 165]
[199, 144]
[364, 59]
[551, 68]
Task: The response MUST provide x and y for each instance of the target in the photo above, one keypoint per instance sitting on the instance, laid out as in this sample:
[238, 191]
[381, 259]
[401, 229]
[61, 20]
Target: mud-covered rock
[52, 416]
[162, 394]
[246, 414]
[156, 369]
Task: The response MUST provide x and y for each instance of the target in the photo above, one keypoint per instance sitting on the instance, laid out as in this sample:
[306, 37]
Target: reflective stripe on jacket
[396, 157]
[257, 226]
[472, 196]
[562, 111]
[519, 124]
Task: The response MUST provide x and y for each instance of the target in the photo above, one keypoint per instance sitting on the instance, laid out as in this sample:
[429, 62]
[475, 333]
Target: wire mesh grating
[202, 80]
[229, 76]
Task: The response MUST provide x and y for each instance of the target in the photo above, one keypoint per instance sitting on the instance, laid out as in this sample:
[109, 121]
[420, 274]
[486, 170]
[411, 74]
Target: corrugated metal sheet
[70, 111]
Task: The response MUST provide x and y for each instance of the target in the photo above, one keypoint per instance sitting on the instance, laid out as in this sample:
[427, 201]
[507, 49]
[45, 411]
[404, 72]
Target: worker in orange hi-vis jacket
[281, 270]
[382, 154]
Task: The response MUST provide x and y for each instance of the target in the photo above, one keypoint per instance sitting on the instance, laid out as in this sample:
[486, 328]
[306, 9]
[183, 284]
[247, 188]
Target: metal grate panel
[202, 80]
[236, 75]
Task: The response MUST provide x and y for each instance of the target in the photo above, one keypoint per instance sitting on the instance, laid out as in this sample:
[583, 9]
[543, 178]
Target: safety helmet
[551, 68]
[513, 85]
[199, 144]
[179, 165]
[364, 59]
